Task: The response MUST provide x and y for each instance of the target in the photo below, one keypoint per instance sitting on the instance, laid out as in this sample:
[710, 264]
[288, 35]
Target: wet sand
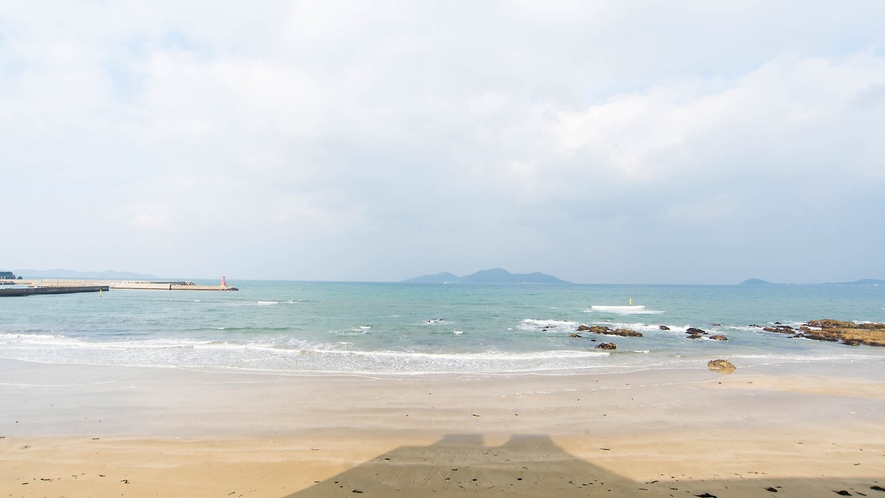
[802, 430]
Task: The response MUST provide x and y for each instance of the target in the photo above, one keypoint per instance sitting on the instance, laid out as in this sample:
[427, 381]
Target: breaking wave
[623, 310]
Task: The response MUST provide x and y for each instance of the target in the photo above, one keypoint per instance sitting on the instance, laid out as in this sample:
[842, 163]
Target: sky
[600, 142]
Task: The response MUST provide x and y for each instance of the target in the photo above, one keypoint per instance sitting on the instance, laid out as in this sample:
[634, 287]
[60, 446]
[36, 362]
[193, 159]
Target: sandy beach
[802, 430]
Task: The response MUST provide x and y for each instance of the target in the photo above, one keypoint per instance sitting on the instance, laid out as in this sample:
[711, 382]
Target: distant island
[493, 276]
[98, 275]
[863, 281]
[755, 281]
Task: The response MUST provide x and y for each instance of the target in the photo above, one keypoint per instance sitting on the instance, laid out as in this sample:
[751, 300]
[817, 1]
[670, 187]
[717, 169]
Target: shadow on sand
[534, 466]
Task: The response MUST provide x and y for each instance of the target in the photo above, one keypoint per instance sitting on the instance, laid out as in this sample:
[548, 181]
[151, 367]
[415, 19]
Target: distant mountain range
[493, 276]
[864, 281]
[99, 275]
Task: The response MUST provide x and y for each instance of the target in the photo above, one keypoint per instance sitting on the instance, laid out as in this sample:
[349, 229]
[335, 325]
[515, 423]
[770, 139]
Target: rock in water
[607, 345]
[718, 337]
[599, 329]
[574, 335]
[596, 329]
[721, 366]
[694, 333]
[663, 327]
[781, 329]
[626, 333]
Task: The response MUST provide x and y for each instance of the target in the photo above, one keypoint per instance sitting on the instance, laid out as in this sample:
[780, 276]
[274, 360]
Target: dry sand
[111, 431]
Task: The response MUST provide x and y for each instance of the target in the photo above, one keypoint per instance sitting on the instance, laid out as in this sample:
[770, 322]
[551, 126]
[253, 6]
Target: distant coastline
[490, 276]
[863, 281]
[104, 275]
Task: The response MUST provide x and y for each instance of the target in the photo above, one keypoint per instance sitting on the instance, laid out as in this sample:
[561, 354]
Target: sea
[402, 329]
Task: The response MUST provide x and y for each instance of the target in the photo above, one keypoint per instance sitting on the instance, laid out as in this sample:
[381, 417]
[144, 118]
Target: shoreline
[267, 357]
[859, 357]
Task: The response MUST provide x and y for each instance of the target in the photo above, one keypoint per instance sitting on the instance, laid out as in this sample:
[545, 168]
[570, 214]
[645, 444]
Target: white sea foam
[458, 332]
[639, 327]
[768, 359]
[286, 355]
[267, 303]
[548, 325]
[353, 331]
[488, 355]
[623, 310]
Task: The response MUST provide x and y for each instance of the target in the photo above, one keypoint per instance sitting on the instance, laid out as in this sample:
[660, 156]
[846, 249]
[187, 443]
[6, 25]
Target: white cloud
[773, 102]
[150, 215]
[508, 130]
[704, 210]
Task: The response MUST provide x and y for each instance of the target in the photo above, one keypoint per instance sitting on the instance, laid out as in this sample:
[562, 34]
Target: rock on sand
[721, 366]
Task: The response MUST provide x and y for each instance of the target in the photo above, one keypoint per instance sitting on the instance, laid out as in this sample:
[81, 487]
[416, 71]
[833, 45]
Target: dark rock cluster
[848, 333]
[599, 329]
[694, 333]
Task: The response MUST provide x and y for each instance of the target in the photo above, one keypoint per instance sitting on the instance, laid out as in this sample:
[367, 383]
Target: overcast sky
[606, 142]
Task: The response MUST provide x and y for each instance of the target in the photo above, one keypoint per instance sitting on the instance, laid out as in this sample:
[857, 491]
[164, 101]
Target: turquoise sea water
[408, 329]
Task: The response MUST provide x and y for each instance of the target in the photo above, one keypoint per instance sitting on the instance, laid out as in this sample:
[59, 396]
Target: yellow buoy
[631, 301]
[99, 292]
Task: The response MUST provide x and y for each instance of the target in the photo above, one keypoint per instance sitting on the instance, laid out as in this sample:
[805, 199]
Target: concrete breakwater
[169, 286]
[124, 284]
[58, 289]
